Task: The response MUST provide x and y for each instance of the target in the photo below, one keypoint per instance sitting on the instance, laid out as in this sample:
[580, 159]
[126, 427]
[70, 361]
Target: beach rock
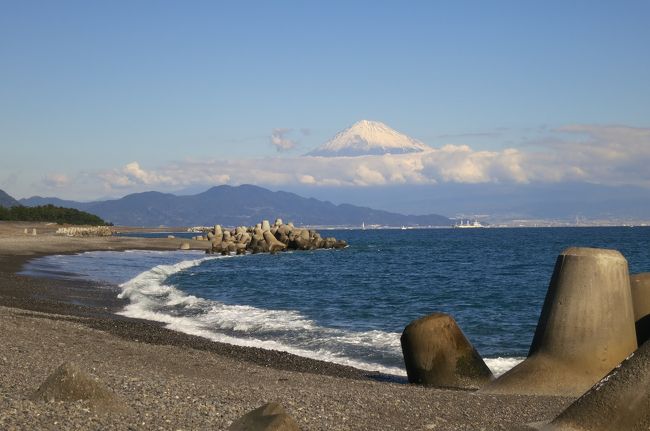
[70, 383]
[284, 230]
[273, 243]
[245, 238]
[640, 285]
[256, 239]
[184, 245]
[281, 237]
[436, 353]
[84, 231]
[269, 417]
[171, 236]
[297, 243]
[216, 247]
[585, 329]
[620, 401]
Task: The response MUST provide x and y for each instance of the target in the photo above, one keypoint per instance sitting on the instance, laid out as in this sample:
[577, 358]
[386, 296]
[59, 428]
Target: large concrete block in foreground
[620, 401]
[436, 353]
[585, 329]
[640, 284]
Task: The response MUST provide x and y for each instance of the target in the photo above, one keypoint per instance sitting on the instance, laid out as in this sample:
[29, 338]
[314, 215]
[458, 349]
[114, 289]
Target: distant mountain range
[7, 201]
[235, 206]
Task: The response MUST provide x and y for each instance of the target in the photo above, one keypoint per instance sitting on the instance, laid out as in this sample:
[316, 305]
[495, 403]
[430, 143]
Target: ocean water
[349, 306]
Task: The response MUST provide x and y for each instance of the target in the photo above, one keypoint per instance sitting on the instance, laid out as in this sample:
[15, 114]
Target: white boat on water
[469, 225]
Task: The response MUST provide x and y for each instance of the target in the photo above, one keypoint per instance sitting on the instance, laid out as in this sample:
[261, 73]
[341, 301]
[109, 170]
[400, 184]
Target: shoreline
[98, 304]
[319, 395]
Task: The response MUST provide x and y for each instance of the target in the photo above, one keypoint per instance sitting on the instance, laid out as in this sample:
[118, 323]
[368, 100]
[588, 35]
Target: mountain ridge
[237, 205]
[7, 200]
[367, 137]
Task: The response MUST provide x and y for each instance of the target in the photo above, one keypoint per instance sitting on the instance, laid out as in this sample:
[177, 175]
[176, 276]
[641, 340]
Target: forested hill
[50, 213]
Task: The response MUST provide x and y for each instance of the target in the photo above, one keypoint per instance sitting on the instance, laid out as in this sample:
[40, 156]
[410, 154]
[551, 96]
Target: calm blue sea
[349, 306]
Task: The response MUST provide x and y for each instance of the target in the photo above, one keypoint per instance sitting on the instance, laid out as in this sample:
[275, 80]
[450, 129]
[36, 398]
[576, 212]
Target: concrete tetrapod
[620, 401]
[436, 353]
[640, 284]
[586, 327]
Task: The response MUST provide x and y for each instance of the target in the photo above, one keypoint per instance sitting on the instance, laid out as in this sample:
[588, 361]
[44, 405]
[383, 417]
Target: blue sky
[87, 88]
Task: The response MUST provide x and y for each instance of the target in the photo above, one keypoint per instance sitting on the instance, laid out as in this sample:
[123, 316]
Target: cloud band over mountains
[611, 155]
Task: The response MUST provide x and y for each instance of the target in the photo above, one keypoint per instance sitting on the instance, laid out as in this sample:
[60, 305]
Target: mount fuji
[366, 138]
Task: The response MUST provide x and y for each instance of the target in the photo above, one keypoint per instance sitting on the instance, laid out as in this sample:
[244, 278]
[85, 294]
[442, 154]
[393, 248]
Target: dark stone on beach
[620, 401]
[436, 353]
[269, 417]
[70, 383]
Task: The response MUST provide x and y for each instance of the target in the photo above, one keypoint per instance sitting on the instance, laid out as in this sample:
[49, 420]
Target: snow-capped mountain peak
[369, 138]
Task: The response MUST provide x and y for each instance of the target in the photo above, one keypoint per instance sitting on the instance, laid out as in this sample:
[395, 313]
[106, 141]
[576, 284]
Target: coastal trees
[50, 213]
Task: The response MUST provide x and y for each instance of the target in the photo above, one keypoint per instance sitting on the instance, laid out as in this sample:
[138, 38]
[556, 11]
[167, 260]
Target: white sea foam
[286, 330]
[148, 296]
[501, 365]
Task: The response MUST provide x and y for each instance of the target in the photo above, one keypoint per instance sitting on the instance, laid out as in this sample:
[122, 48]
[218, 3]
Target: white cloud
[280, 140]
[307, 179]
[598, 154]
[132, 175]
[365, 176]
[613, 155]
[55, 181]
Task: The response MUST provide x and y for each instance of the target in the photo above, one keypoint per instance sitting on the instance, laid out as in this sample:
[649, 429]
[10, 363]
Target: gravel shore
[176, 381]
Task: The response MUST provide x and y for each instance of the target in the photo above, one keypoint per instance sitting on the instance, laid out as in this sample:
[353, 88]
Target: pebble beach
[168, 380]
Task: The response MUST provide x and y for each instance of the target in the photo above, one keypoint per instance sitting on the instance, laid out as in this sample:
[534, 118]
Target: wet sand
[176, 381]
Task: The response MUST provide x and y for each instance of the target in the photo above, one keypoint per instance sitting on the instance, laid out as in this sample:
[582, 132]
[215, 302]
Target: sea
[350, 306]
